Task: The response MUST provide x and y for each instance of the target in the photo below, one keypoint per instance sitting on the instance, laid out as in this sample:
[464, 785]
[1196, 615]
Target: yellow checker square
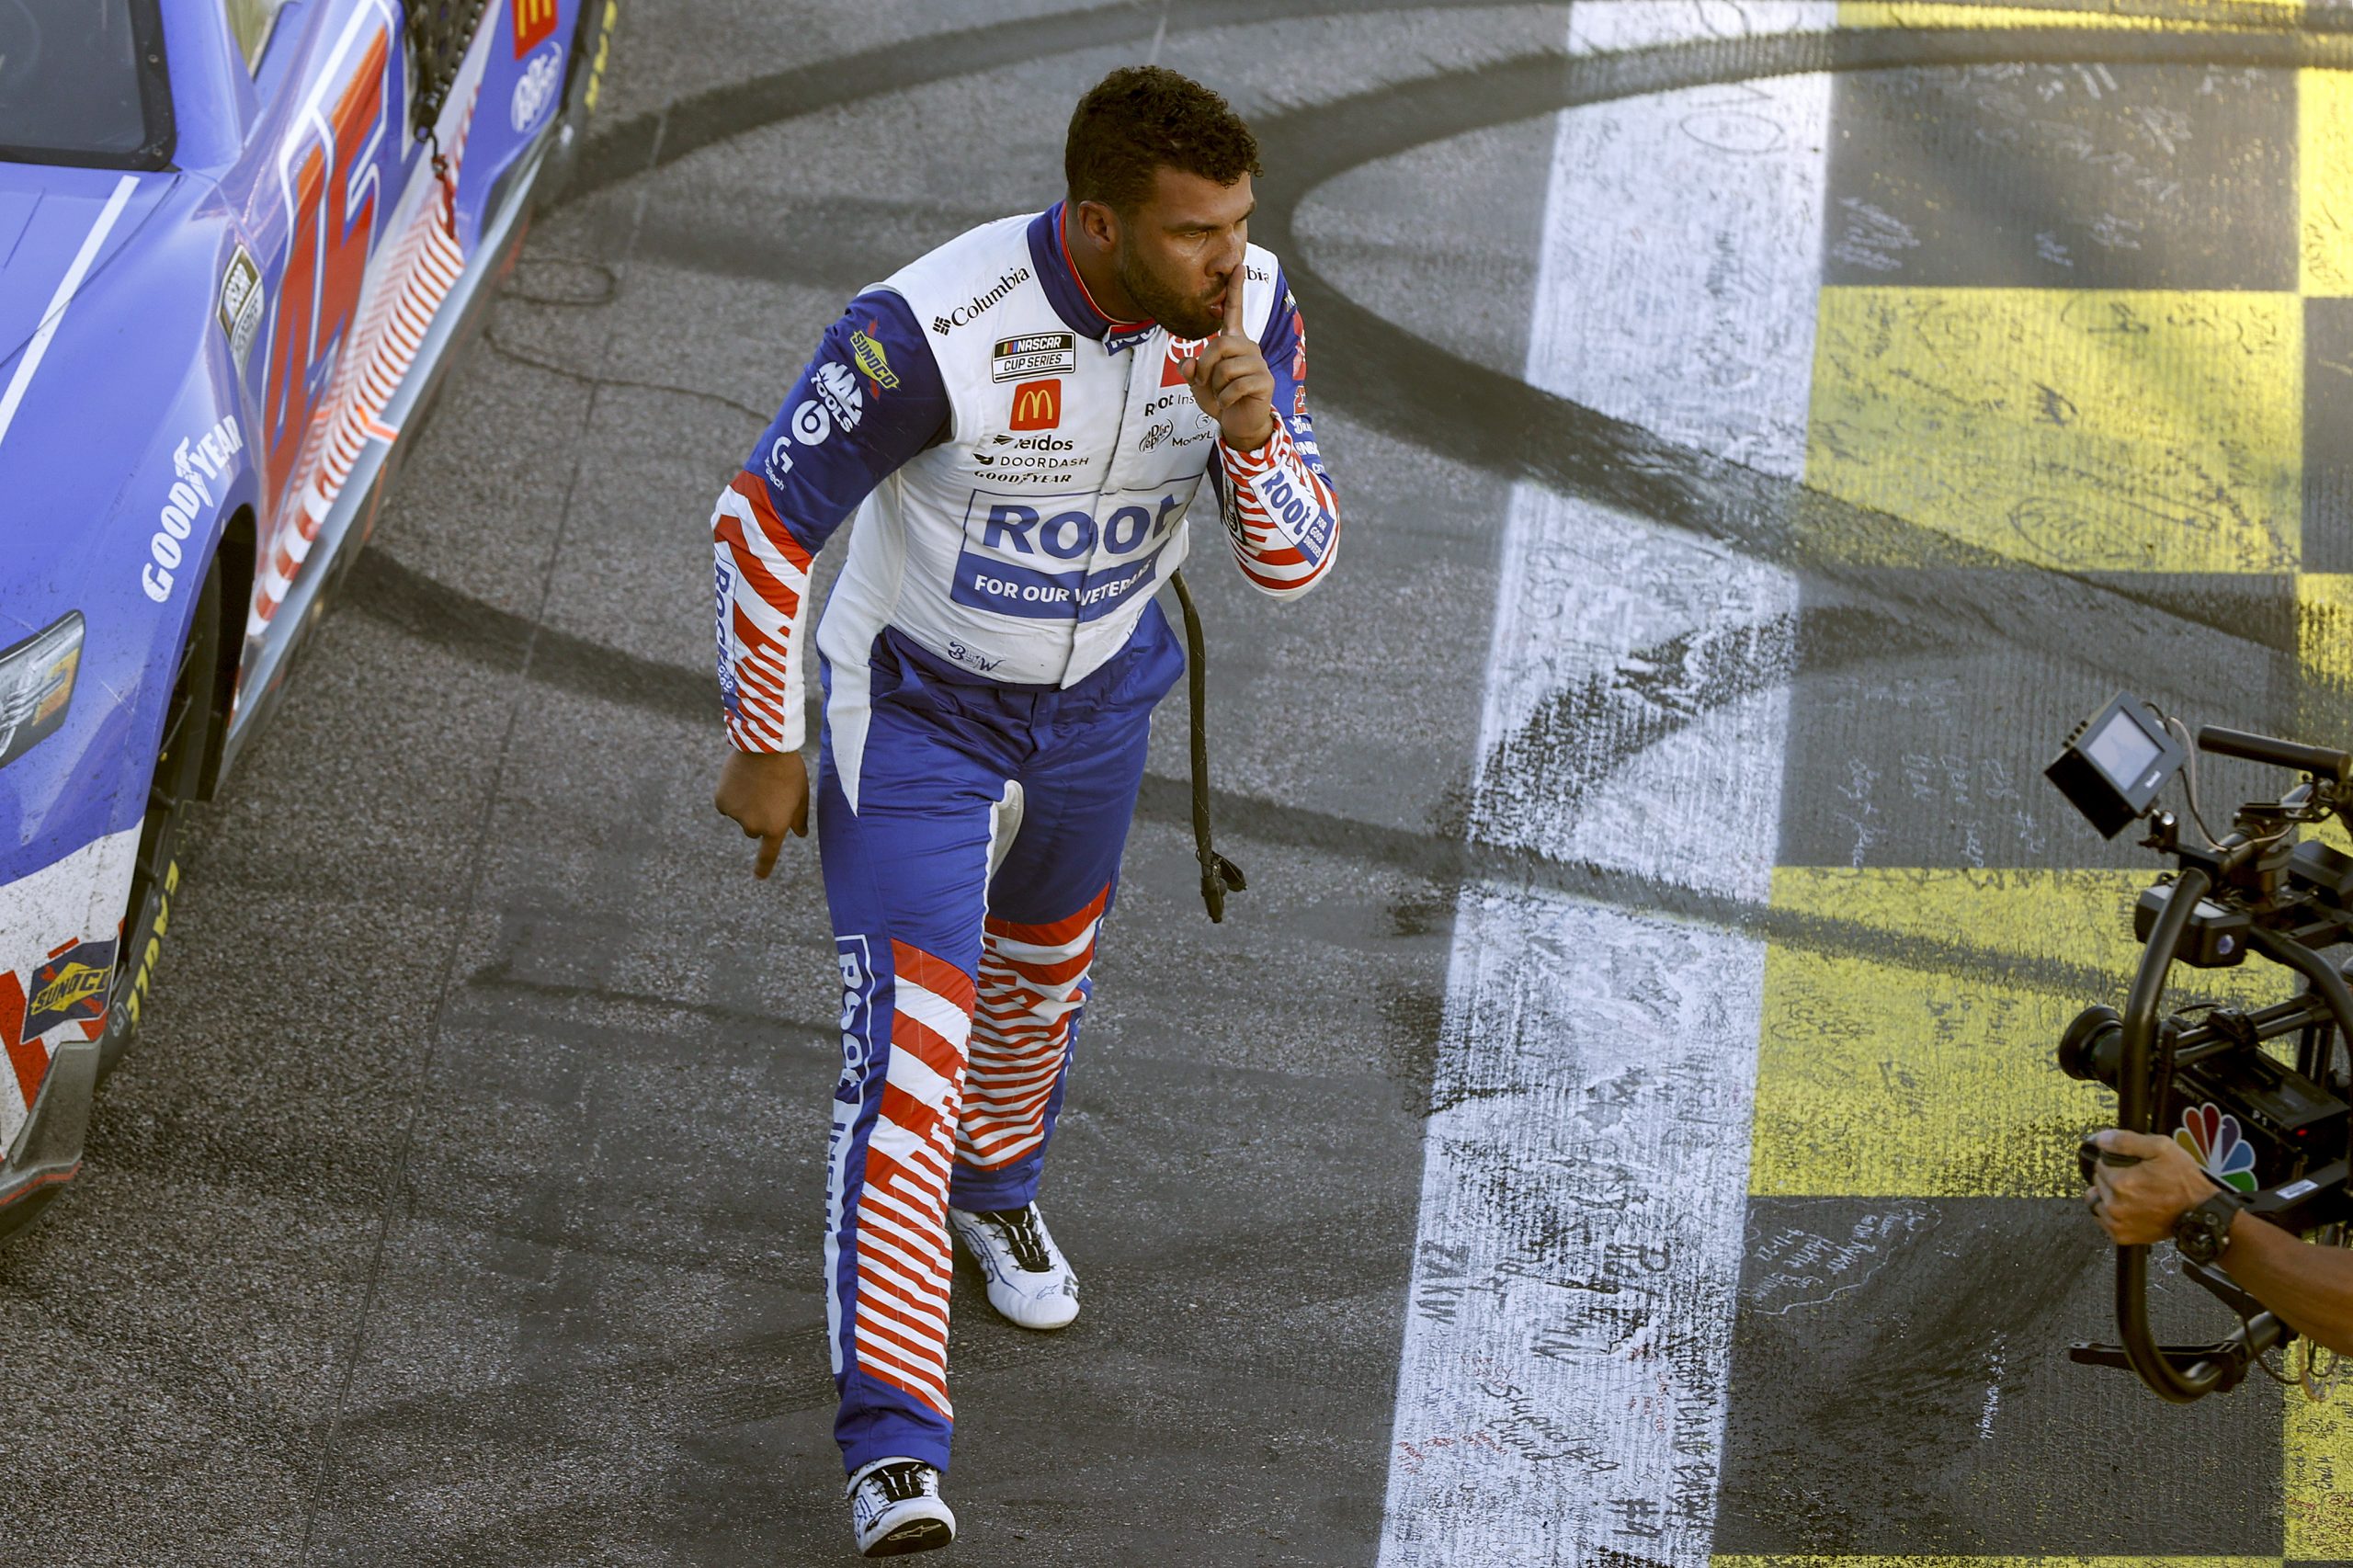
[1728, 1561]
[1906, 1044]
[2324, 182]
[2324, 637]
[2090, 14]
[2079, 430]
[2316, 1496]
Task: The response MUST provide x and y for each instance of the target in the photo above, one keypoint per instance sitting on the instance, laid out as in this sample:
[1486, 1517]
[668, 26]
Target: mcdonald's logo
[1038, 405]
[534, 21]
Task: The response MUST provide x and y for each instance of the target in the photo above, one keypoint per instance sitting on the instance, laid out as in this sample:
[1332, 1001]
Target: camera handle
[2181, 1374]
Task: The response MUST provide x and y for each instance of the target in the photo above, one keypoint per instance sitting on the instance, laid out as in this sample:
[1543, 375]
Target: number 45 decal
[327, 173]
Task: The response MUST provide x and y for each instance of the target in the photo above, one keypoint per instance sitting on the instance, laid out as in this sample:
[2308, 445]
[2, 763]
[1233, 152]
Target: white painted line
[1561, 1392]
[67, 287]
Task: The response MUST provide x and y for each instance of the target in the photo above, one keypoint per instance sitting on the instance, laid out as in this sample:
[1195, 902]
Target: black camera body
[2258, 1096]
[2260, 1128]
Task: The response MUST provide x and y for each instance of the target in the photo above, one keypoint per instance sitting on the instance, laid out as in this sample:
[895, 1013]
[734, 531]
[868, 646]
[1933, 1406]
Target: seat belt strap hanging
[1219, 875]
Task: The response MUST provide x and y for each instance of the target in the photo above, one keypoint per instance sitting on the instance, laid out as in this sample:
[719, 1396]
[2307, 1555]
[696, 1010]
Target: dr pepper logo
[1038, 405]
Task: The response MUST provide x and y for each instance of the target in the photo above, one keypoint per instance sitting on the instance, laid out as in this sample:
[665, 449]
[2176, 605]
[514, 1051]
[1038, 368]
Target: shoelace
[900, 1482]
[1019, 1229]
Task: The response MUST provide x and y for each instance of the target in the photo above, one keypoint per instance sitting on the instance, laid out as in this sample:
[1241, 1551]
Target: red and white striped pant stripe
[1031, 987]
[903, 1258]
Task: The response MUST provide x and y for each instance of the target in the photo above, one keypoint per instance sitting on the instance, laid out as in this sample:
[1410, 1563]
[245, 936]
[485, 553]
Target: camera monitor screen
[2123, 749]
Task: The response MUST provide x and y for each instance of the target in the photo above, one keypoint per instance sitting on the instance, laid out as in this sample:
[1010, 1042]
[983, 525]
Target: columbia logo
[941, 325]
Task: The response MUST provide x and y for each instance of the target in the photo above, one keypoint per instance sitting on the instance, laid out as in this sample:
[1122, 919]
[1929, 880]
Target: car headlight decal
[37, 685]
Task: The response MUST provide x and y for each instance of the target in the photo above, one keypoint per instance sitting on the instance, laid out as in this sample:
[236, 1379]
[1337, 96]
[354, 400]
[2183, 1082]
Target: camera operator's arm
[2310, 1288]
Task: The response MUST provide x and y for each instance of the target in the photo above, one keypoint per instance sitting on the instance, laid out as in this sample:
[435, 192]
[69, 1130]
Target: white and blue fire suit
[1022, 468]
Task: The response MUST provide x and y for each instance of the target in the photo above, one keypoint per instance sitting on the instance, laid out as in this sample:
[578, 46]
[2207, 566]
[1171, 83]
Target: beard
[1184, 315]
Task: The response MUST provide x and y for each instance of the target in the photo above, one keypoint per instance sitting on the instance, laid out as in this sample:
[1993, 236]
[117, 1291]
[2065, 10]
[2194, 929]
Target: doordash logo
[1038, 405]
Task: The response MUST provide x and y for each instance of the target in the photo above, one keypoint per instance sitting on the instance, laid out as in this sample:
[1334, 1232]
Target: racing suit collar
[1067, 290]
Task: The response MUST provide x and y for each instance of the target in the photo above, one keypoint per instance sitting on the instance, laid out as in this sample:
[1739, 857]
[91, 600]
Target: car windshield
[79, 83]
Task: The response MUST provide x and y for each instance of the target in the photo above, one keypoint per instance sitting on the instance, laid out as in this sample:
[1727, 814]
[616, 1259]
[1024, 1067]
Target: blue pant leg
[1047, 903]
[905, 878]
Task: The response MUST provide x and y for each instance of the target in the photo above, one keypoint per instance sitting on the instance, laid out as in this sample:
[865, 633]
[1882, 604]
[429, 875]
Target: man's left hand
[1231, 382]
[2137, 1205]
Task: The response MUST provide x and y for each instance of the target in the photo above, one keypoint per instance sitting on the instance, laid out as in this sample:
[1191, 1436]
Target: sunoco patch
[241, 306]
[69, 988]
[1038, 354]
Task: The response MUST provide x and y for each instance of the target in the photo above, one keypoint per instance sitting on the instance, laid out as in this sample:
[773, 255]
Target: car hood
[47, 217]
[130, 367]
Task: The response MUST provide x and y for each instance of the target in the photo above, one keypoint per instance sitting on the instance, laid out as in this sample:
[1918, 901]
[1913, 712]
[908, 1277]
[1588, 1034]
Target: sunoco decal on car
[202, 462]
[241, 307]
[69, 988]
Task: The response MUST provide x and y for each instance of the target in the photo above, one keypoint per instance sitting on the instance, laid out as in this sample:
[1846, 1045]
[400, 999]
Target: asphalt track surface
[461, 1203]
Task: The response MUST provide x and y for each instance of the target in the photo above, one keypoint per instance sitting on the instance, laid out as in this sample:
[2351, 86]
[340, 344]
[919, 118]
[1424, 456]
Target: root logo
[857, 962]
[2213, 1139]
[1038, 405]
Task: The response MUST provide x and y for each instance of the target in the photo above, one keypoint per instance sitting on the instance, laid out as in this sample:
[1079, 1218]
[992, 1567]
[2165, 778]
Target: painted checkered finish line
[2038, 349]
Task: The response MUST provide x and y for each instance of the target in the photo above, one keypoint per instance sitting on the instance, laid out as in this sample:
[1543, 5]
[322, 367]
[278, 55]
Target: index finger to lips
[1233, 304]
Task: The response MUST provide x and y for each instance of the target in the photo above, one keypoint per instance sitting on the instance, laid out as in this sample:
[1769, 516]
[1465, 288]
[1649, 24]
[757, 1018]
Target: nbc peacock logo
[2212, 1137]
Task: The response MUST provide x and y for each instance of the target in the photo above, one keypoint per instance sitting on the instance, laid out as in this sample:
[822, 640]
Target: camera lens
[2093, 1046]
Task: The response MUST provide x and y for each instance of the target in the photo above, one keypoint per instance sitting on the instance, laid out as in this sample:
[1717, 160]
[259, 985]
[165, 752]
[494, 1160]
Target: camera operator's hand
[2137, 1205]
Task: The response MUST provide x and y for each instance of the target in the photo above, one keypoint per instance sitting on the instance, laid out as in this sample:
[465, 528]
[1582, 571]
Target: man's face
[1176, 251]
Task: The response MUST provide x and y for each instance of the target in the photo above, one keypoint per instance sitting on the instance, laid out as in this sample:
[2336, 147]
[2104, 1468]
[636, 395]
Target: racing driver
[1023, 420]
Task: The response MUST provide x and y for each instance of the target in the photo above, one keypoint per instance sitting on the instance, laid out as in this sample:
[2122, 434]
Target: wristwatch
[2202, 1232]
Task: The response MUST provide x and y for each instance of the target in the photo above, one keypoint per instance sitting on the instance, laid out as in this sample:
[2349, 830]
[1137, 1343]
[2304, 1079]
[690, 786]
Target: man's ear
[1099, 224]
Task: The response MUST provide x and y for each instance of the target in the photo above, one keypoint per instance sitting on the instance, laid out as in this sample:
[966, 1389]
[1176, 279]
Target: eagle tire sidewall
[146, 923]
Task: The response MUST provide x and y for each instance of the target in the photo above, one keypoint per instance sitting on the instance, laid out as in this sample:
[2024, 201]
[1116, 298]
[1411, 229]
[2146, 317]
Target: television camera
[2271, 1124]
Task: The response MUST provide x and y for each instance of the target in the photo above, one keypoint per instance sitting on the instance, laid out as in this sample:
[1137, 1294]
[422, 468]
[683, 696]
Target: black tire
[25, 1210]
[582, 73]
[189, 717]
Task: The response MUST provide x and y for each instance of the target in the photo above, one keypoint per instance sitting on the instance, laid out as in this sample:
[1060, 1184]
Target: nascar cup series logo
[1064, 557]
[2212, 1137]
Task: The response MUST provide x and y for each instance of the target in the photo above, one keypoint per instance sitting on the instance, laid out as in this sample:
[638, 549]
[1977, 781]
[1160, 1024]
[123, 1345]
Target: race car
[240, 243]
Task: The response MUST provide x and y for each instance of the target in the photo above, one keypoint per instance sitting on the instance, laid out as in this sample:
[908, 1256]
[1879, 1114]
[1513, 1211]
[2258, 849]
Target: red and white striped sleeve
[761, 586]
[1282, 514]
[871, 399]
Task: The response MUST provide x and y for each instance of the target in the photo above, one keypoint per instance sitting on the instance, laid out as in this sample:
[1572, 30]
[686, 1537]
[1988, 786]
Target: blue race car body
[225, 291]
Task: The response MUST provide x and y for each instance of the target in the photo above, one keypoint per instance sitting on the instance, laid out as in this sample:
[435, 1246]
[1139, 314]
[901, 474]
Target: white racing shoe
[1030, 1283]
[895, 1509]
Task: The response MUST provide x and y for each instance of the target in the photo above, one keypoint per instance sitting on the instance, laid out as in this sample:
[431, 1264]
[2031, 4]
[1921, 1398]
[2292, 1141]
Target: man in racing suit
[1022, 420]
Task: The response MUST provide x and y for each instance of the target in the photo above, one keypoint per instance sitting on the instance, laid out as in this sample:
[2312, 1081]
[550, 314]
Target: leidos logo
[1038, 405]
[2213, 1139]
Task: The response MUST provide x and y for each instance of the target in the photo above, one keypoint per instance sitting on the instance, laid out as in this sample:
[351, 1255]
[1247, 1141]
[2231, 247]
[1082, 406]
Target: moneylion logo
[979, 305]
[872, 360]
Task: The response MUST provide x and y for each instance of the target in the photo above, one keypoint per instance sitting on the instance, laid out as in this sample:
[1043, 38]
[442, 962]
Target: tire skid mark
[656, 138]
[410, 601]
[1420, 392]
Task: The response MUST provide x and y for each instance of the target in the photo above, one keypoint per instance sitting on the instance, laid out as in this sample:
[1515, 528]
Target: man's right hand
[767, 795]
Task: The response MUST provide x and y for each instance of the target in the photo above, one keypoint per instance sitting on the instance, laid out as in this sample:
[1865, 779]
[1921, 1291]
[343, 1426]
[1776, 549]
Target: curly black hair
[1142, 118]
